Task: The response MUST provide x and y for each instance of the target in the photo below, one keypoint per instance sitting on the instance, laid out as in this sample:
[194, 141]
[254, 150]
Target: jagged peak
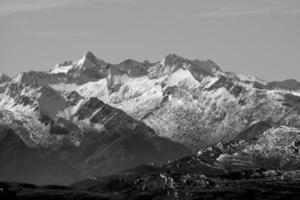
[90, 56]
[90, 60]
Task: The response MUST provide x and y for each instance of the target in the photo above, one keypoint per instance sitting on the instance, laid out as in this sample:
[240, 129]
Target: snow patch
[210, 81]
[182, 76]
[61, 69]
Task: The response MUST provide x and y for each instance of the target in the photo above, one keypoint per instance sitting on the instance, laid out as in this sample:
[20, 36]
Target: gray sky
[256, 37]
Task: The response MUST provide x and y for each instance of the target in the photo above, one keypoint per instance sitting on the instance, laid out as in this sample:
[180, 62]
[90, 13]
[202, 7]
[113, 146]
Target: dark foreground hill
[166, 185]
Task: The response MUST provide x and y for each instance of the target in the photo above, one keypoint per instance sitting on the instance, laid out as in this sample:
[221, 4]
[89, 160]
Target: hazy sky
[257, 37]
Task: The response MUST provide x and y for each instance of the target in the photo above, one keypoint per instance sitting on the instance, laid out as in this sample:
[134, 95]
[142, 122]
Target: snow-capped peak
[89, 60]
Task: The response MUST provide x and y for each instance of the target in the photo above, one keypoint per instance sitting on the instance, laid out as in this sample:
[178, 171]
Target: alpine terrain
[162, 129]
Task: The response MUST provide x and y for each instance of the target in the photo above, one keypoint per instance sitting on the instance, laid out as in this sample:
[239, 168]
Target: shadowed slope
[21, 163]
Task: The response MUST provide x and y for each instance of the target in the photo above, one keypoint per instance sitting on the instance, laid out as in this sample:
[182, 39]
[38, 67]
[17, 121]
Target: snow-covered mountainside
[189, 101]
[112, 115]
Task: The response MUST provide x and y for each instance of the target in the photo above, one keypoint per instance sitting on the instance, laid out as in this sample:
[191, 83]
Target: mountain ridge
[102, 118]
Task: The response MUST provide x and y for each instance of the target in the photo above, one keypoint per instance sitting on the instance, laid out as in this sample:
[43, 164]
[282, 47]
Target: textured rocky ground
[167, 185]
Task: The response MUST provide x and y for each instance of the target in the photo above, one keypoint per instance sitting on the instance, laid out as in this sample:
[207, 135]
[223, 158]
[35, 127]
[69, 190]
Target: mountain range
[92, 118]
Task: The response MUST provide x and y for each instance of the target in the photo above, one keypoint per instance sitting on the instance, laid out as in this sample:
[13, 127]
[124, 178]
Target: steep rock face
[112, 119]
[73, 98]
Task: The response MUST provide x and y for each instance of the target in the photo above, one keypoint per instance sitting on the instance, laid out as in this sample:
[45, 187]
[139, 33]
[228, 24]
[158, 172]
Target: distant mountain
[22, 163]
[216, 105]
[4, 78]
[101, 118]
[289, 84]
